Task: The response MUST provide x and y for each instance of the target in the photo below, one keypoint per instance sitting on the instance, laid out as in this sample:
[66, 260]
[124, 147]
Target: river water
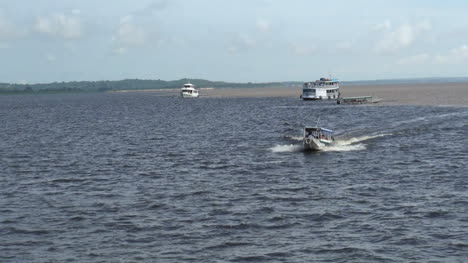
[133, 177]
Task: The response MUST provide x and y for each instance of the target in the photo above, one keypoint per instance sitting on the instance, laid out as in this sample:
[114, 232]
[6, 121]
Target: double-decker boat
[321, 89]
[189, 91]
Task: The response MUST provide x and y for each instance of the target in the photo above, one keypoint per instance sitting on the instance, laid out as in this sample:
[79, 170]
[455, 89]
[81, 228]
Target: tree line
[126, 84]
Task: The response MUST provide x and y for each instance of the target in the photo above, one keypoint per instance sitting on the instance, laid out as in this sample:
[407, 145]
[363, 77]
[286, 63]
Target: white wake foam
[353, 140]
[340, 145]
[351, 144]
[286, 148]
[344, 148]
[294, 138]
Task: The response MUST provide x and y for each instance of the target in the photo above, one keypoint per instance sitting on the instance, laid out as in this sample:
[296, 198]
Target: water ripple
[144, 178]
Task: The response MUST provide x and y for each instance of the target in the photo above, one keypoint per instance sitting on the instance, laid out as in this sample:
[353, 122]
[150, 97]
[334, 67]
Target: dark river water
[130, 177]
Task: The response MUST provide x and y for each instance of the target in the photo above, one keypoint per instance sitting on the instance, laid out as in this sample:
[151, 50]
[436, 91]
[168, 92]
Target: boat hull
[319, 98]
[313, 144]
[186, 95]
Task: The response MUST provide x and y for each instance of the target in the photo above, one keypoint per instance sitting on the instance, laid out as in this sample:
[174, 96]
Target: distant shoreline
[448, 93]
[438, 94]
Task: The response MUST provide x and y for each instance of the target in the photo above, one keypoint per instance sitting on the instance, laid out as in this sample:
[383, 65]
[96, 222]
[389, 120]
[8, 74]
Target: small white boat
[316, 138]
[189, 91]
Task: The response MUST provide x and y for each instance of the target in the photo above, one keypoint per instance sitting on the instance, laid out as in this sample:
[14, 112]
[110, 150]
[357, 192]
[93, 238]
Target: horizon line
[248, 82]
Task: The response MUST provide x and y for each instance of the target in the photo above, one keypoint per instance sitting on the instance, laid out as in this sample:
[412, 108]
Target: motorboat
[317, 138]
[358, 100]
[189, 91]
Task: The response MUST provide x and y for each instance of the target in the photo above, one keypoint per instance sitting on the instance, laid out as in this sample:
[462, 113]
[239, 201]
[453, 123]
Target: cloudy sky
[243, 40]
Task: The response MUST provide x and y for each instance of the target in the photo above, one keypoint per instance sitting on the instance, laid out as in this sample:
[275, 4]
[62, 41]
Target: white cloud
[8, 30]
[4, 45]
[60, 25]
[243, 42]
[386, 25]
[394, 40]
[303, 50]
[50, 57]
[120, 50]
[263, 25]
[345, 45]
[423, 25]
[129, 34]
[246, 41]
[76, 11]
[456, 55]
[153, 8]
[415, 60]
[126, 19]
[402, 37]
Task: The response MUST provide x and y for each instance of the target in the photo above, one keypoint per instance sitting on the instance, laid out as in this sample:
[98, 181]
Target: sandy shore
[450, 94]
[453, 94]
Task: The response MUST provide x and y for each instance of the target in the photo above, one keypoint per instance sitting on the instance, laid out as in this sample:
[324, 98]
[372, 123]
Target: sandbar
[437, 94]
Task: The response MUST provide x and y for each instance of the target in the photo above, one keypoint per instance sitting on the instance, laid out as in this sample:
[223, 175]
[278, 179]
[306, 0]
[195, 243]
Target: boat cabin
[189, 90]
[321, 89]
[318, 133]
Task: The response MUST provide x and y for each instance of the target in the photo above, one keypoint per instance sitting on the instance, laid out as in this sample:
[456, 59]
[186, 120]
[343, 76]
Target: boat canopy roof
[318, 129]
[328, 80]
[323, 80]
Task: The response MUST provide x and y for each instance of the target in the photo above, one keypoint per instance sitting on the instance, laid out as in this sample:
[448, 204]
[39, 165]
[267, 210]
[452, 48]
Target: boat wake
[344, 148]
[286, 148]
[427, 119]
[340, 144]
[353, 140]
[293, 138]
[351, 144]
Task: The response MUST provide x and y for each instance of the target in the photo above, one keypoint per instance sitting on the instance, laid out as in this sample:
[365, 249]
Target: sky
[44, 41]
